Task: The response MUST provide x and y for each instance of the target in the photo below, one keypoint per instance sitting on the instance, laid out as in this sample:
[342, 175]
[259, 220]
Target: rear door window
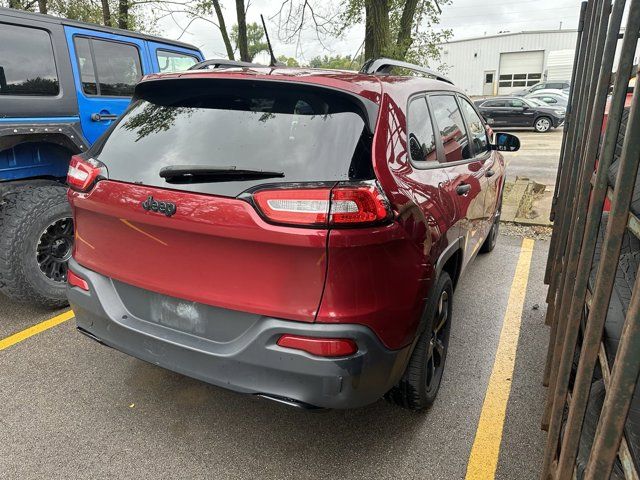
[27, 65]
[174, 61]
[494, 104]
[475, 127]
[309, 134]
[451, 128]
[109, 69]
[422, 141]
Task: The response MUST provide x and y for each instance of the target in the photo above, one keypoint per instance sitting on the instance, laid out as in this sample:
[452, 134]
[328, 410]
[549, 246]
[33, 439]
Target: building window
[519, 79]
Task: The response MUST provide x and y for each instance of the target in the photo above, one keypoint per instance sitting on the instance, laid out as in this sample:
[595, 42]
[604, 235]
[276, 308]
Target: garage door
[519, 70]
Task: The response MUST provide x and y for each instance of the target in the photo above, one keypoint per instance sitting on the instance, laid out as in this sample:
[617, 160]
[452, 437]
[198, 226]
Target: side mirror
[505, 142]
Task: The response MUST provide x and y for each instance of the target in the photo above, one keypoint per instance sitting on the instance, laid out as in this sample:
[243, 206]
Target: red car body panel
[214, 250]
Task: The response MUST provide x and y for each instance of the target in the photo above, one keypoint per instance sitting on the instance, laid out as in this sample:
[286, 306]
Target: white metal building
[504, 63]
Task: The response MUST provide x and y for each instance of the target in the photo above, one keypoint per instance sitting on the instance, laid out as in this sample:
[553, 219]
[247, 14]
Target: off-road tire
[411, 392]
[24, 215]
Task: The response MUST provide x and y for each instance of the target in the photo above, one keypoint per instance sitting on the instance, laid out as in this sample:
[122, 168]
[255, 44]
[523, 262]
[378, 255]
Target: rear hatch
[175, 213]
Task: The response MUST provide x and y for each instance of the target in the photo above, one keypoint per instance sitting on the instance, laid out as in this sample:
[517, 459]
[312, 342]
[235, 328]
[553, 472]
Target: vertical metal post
[627, 364]
[595, 322]
[596, 44]
[563, 150]
[570, 309]
[570, 440]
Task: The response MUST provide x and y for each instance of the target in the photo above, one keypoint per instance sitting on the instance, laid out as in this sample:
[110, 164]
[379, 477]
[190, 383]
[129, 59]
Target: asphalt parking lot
[71, 408]
[537, 158]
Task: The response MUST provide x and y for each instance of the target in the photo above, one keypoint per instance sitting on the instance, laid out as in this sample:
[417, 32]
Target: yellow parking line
[38, 328]
[483, 460]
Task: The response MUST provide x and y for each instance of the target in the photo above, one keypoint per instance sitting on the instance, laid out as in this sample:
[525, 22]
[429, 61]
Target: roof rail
[223, 63]
[377, 66]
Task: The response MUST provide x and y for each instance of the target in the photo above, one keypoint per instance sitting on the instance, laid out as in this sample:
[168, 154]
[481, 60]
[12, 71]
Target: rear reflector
[75, 281]
[83, 174]
[322, 347]
[346, 204]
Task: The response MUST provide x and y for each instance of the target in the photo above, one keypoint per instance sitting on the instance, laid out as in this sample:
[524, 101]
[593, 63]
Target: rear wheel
[35, 245]
[542, 124]
[421, 380]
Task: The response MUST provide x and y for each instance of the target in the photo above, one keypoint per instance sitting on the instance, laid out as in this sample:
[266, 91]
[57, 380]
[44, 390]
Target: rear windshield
[307, 134]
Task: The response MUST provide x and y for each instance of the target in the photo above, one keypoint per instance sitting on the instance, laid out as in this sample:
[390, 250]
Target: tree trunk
[243, 45]
[223, 29]
[123, 14]
[42, 6]
[377, 34]
[106, 13]
[404, 40]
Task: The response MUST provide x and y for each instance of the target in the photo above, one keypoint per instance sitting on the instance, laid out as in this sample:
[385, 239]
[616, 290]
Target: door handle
[103, 117]
[490, 173]
[463, 189]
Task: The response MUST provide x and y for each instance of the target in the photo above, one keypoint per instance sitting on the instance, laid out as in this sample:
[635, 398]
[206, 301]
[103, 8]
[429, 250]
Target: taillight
[322, 347]
[345, 204]
[75, 281]
[83, 174]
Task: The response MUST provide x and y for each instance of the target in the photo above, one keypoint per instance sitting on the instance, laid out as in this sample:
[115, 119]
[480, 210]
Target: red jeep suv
[291, 233]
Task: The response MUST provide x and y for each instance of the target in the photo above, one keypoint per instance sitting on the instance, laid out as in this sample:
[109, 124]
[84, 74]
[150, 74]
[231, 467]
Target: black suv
[520, 112]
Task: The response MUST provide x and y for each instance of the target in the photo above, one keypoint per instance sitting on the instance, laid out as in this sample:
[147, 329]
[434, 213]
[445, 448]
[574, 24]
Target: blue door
[171, 58]
[106, 68]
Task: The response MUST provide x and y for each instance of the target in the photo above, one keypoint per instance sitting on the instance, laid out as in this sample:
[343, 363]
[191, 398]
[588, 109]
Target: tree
[401, 29]
[288, 61]
[255, 40]
[337, 62]
[241, 38]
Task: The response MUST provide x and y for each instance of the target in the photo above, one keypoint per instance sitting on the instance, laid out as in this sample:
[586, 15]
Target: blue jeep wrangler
[62, 83]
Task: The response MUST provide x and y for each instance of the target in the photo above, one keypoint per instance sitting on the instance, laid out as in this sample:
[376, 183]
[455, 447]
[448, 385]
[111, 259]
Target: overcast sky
[467, 18]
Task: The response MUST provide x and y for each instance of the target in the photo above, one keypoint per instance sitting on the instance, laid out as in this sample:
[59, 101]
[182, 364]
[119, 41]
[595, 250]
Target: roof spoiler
[383, 66]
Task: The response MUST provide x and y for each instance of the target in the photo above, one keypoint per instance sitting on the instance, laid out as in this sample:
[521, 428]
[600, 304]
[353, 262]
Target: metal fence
[577, 308]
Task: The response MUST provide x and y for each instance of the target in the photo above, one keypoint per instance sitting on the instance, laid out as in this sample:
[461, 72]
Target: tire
[591, 417]
[36, 240]
[622, 287]
[615, 163]
[542, 124]
[492, 239]
[419, 385]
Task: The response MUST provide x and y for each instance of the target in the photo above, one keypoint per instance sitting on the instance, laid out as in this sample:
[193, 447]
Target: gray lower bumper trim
[252, 362]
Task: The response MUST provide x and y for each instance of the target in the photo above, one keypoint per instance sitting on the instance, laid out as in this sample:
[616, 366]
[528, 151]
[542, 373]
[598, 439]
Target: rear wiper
[181, 174]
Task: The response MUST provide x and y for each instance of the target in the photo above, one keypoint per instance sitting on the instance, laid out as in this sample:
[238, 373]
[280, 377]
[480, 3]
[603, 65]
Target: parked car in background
[563, 85]
[62, 84]
[554, 98]
[317, 272]
[520, 112]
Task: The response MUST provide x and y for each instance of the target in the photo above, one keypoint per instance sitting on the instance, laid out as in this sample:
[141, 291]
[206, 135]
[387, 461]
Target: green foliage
[91, 12]
[255, 39]
[337, 62]
[288, 61]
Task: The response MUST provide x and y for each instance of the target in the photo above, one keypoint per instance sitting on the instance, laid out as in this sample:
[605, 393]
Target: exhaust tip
[290, 402]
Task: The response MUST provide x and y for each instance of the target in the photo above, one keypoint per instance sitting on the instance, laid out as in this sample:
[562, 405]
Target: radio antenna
[274, 60]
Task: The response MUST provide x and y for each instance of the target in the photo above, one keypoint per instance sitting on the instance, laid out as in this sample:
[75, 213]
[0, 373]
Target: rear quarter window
[174, 61]
[27, 65]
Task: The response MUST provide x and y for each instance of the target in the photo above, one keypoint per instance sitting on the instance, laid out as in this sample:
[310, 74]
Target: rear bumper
[251, 362]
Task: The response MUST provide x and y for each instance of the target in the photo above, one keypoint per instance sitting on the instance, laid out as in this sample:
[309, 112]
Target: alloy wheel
[438, 343]
[54, 249]
[543, 124]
